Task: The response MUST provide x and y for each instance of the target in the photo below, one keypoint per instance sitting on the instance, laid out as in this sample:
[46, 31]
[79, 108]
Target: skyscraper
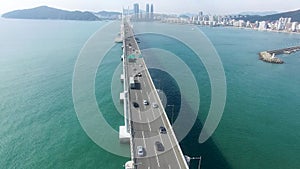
[136, 10]
[147, 11]
[152, 10]
[147, 8]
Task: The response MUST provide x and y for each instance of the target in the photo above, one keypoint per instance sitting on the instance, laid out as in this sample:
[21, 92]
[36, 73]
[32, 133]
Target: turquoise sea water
[261, 118]
[39, 128]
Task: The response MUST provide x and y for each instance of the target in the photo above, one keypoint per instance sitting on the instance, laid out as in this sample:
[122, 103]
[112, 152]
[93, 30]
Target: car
[135, 104]
[162, 130]
[155, 105]
[139, 75]
[159, 146]
[140, 151]
[145, 102]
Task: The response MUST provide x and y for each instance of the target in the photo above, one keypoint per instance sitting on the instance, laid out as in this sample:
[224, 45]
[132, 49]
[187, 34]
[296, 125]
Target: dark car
[139, 75]
[135, 104]
[159, 146]
[162, 130]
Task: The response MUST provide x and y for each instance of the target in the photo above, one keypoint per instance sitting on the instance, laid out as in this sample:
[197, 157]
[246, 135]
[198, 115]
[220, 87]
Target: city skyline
[219, 7]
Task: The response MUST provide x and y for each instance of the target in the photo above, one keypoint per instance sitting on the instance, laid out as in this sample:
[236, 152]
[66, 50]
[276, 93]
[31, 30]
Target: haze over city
[174, 6]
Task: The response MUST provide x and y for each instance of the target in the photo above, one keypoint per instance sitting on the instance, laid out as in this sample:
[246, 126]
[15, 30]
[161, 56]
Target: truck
[132, 82]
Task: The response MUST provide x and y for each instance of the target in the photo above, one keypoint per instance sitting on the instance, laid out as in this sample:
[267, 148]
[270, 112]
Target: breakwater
[269, 56]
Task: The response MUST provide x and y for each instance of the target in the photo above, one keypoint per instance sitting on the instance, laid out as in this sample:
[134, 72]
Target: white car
[155, 105]
[145, 102]
[140, 151]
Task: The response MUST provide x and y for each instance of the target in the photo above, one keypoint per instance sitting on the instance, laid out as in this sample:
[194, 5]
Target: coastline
[228, 26]
[267, 30]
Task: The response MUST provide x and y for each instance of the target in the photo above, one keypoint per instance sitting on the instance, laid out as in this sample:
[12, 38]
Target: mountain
[184, 16]
[189, 15]
[259, 13]
[108, 15]
[295, 15]
[45, 12]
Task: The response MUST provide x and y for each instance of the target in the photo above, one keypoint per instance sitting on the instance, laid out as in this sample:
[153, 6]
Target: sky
[160, 6]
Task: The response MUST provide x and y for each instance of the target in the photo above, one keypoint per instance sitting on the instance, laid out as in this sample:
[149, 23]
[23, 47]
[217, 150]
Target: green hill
[45, 12]
[108, 15]
[295, 15]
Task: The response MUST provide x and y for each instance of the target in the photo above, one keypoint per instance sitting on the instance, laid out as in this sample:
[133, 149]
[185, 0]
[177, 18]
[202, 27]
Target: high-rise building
[200, 16]
[136, 10]
[294, 26]
[262, 25]
[152, 10]
[147, 11]
[147, 8]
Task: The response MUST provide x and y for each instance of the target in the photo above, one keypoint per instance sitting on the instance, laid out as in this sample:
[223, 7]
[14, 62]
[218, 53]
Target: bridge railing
[127, 113]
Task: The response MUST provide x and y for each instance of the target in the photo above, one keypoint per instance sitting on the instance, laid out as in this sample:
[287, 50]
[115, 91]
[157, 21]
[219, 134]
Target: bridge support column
[122, 97]
[122, 78]
[124, 136]
[129, 165]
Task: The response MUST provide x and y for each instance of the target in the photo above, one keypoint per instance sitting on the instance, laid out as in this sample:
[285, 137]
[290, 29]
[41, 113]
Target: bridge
[153, 143]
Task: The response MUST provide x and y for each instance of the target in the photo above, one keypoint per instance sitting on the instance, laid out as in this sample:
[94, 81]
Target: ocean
[39, 126]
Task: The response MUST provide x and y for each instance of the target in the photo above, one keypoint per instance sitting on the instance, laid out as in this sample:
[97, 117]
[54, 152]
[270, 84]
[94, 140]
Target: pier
[269, 56]
[153, 143]
[285, 50]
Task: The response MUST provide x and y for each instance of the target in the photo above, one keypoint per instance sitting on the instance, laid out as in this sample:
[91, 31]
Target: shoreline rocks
[268, 57]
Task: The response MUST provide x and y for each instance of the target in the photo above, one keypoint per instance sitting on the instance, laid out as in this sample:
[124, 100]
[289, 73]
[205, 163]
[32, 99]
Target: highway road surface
[148, 118]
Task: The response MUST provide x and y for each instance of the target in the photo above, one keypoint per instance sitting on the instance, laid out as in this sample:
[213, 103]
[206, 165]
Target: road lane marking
[136, 96]
[168, 133]
[149, 124]
[169, 166]
[148, 97]
[173, 148]
[156, 157]
[161, 138]
[153, 115]
[140, 116]
[144, 139]
[149, 82]
[152, 87]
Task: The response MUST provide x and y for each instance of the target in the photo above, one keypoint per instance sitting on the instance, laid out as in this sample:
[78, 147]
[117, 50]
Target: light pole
[135, 164]
[188, 160]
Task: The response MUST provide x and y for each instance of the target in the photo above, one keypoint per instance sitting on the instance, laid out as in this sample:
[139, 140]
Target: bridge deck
[146, 119]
